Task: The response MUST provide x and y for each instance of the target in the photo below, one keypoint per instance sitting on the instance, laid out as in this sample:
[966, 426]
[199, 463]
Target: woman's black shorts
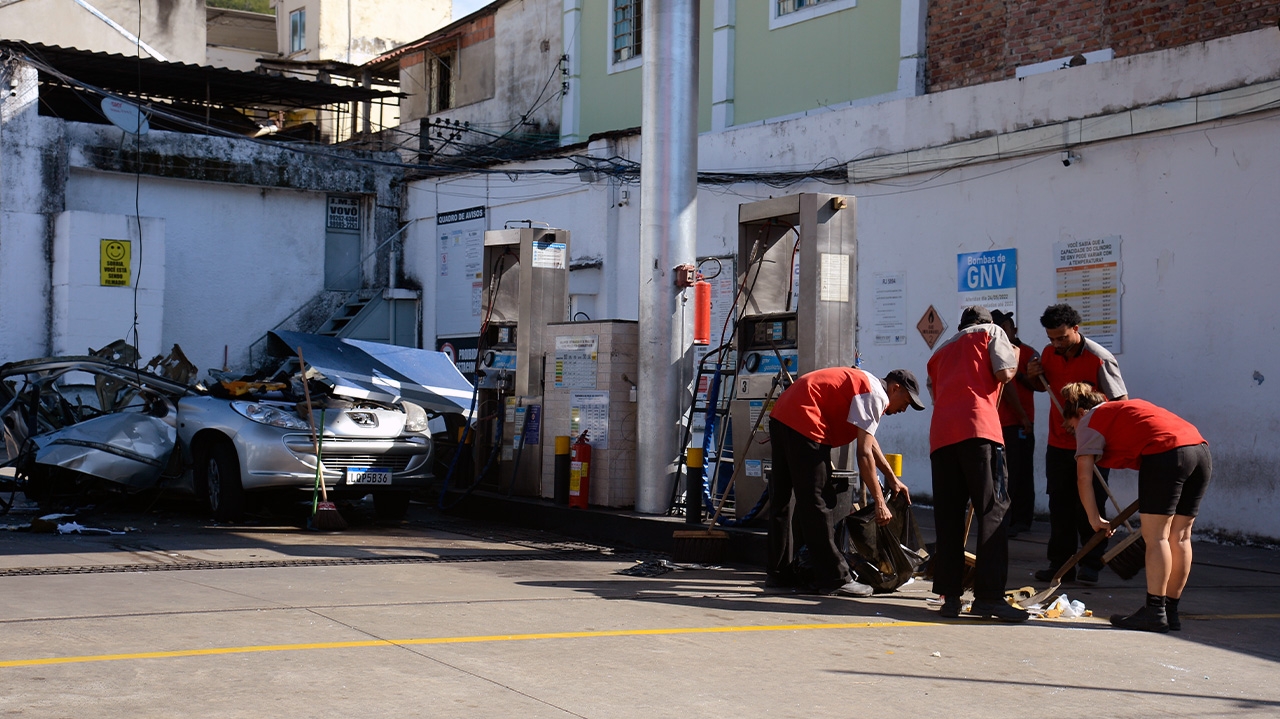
[1174, 482]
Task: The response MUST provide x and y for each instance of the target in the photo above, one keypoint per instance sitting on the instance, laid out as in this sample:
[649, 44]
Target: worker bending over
[824, 409]
[1174, 469]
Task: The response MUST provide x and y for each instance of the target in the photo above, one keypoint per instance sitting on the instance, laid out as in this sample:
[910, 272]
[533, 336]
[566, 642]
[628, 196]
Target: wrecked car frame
[72, 420]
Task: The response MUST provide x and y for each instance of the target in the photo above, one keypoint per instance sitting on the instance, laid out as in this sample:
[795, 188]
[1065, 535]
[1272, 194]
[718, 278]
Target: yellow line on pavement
[450, 640]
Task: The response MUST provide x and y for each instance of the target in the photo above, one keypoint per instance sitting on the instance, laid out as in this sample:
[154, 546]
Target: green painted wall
[612, 102]
[828, 60]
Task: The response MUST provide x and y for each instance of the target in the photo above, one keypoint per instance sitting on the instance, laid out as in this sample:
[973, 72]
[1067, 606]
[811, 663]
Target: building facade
[1159, 154]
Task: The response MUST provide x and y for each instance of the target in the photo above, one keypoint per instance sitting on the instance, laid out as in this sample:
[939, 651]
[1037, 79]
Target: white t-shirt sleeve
[1003, 354]
[866, 409]
[1089, 441]
[1110, 383]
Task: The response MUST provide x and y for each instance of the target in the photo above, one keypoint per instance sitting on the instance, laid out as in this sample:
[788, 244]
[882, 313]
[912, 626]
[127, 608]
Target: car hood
[380, 372]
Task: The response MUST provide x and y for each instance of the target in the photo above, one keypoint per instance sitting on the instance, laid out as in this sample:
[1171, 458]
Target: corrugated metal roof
[190, 83]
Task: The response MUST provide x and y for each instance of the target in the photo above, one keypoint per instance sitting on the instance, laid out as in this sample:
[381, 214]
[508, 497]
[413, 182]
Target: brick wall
[977, 41]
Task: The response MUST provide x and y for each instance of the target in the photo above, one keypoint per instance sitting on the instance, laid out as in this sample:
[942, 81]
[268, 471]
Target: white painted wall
[175, 30]
[1194, 206]
[238, 259]
[87, 315]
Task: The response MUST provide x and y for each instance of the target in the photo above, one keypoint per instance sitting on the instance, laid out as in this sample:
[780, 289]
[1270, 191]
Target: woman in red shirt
[1174, 469]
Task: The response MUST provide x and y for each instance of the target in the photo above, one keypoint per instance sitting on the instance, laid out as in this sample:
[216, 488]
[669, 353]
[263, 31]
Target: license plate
[368, 475]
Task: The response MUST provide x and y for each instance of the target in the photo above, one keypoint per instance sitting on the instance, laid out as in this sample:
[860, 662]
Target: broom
[324, 514]
[1130, 555]
[710, 544]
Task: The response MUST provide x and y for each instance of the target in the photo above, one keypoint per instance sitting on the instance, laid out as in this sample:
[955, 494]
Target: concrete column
[570, 107]
[722, 61]
[668, 226]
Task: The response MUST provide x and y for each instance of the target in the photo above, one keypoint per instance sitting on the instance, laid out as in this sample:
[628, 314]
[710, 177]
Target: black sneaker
[1171, 616]
[1046, 575]
[950, 608]
[1146, 619]
[997, 609]
[1087, 576]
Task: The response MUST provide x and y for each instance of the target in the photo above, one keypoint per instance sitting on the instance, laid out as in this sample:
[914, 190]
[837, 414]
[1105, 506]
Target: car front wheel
[221, 474]
[390, 504]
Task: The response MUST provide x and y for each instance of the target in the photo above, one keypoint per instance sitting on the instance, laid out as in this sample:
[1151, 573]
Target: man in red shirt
[1071, 357]
[1017, 422]
[824, 409]
[967, 374]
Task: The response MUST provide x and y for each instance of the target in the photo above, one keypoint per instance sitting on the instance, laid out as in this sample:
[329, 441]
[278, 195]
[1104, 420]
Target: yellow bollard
[895, 463]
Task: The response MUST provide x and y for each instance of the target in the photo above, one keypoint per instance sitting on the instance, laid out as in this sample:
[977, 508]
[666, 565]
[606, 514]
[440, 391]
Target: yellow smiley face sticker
[115, 251]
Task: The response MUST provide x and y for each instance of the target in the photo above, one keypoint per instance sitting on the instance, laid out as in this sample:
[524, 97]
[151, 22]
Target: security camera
[1069, 157]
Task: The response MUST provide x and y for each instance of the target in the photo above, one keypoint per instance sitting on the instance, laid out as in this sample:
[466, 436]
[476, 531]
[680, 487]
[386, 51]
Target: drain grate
[197, 565]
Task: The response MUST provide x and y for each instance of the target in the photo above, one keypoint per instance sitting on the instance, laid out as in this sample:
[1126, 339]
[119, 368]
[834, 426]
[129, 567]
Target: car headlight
[266, 414]
[415, 419]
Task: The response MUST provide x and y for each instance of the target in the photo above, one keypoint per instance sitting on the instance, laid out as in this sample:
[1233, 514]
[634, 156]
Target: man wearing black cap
[824, 409]
[967, 374]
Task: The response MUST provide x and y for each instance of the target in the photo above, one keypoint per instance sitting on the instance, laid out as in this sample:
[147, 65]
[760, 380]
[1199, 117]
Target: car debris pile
[78, 425]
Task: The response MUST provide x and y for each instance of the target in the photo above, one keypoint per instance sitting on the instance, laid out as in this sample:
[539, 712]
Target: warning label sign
[114, 259]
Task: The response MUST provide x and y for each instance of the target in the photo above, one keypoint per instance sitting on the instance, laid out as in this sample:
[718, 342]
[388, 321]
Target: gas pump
[797, 261]
[526, 287]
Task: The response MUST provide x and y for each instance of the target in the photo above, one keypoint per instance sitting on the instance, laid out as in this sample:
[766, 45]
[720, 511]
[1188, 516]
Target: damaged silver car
[71, 423]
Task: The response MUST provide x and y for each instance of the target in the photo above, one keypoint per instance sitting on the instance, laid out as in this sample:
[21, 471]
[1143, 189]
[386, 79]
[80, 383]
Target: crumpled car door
[129, 448]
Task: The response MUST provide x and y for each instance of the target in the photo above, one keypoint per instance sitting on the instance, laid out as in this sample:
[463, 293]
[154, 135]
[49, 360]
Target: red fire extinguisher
[580, 472]
[701, 312]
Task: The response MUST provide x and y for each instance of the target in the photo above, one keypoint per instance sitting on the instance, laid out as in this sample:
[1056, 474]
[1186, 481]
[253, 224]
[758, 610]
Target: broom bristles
[699, 545]
[1130, 559]
[327, 517]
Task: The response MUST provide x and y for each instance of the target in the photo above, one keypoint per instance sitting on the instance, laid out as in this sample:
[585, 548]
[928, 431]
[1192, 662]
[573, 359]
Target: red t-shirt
[1121, 433]
[1008, 416]
[1094, 365]
[963, 382]
[829, 405]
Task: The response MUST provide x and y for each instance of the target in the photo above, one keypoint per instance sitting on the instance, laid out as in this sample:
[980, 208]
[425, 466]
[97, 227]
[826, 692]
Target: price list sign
[1088, 278]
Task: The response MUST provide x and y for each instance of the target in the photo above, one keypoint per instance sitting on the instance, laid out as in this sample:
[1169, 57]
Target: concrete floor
[184, 618]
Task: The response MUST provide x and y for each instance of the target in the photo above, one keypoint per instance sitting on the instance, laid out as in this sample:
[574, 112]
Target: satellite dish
[125, 115]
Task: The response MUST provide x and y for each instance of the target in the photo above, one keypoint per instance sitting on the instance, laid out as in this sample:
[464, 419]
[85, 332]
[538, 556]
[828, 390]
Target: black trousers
[970, 471]
[1019, 453]
[800, 491]
[1069, 526]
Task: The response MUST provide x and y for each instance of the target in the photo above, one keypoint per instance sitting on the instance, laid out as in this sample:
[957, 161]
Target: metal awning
[200, 84]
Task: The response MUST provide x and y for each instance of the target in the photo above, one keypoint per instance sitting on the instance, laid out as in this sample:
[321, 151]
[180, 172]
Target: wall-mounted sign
[1087, 277]
[113, 263]
[988, 279]
[889, 304]
[344, 213]
[931, 326]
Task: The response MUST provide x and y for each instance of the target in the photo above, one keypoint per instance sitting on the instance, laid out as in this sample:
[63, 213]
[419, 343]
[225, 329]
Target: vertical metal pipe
[668, 224]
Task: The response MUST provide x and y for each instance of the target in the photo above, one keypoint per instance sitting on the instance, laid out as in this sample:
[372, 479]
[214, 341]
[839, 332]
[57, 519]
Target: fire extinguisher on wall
[580, 472]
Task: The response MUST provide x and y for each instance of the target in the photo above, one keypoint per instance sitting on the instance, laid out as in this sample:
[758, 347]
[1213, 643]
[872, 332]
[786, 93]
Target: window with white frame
[790, 12]
[298, 30]
[626, 30]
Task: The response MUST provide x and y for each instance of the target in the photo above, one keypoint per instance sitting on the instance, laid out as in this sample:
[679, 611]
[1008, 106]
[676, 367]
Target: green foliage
[262, 6]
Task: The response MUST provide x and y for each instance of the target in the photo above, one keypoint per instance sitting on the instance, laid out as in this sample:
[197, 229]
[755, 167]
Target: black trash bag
[883, 558]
